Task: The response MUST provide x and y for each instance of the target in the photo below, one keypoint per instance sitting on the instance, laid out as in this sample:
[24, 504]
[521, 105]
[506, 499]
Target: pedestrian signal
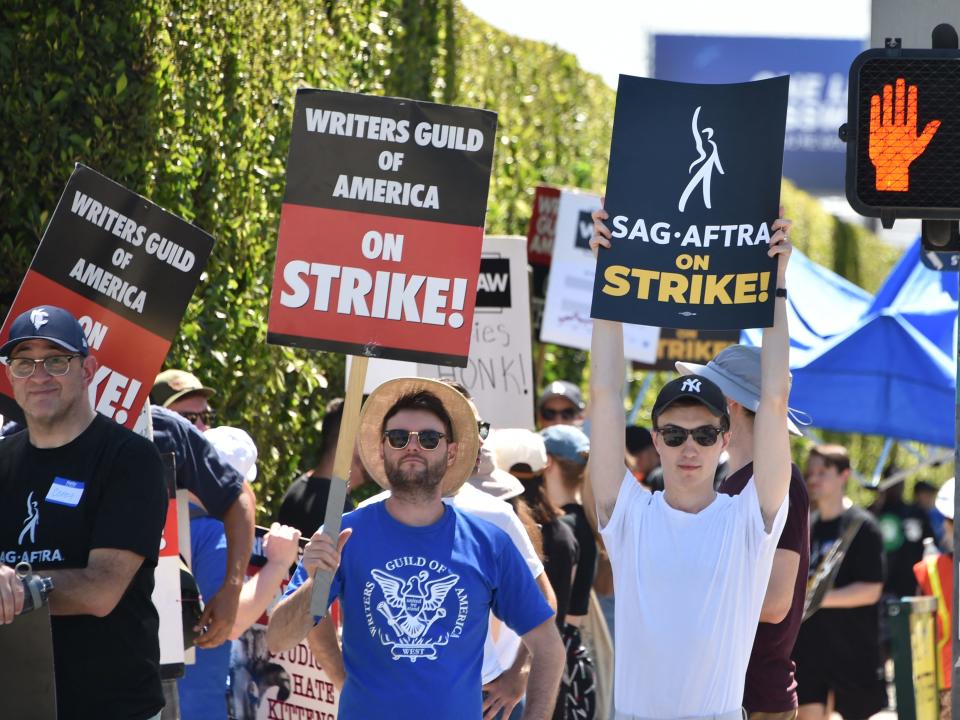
[903, 134]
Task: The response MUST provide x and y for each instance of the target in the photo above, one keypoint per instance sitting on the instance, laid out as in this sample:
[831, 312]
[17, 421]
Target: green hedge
[189, 103]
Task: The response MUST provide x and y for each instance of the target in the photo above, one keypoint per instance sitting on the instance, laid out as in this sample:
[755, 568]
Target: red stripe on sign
[375, 281]
[128, 356]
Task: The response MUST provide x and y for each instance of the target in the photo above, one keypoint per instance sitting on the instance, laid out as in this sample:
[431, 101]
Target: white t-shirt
[689, 591]
[499, 654]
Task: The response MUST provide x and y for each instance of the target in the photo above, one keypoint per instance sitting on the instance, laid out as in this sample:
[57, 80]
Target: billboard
[813, 155]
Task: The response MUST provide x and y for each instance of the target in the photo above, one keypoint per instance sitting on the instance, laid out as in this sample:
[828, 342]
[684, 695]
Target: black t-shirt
[304, 505]
[587, 565]
[903, 527]
[104, 489]
[560, 555]
[199, 467]
[844, 643]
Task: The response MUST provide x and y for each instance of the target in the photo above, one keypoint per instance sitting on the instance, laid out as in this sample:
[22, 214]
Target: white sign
[566, 314]
[499, 371]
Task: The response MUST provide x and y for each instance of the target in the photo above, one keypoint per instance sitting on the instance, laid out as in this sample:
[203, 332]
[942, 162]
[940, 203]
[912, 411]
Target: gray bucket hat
[736, 371]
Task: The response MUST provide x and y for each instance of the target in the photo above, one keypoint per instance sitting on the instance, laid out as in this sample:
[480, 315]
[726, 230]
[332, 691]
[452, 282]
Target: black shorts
[851, 700]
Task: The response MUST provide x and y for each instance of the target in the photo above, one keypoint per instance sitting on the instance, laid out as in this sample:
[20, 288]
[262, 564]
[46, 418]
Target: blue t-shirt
[203, 687]
[416, 602]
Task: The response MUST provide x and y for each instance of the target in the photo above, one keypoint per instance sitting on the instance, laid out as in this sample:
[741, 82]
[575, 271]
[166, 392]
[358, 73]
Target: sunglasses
[674, 436]
[55, 365]
[551, 414]
[484, 429]
[208, 416]
[428, 439]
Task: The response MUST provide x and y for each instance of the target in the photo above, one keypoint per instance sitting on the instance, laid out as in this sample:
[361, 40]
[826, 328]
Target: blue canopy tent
[893, 371]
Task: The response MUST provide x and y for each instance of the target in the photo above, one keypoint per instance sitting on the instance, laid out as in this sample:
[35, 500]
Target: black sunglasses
[208, 416]
[674, 436]
[484, 429]
[551, 414]
[428, 439]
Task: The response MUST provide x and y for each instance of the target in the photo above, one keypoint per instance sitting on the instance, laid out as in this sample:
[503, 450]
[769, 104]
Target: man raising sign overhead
[690, 566]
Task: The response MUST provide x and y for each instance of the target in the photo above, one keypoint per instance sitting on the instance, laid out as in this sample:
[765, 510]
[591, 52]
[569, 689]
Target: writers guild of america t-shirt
[104, 489]
[416, 603]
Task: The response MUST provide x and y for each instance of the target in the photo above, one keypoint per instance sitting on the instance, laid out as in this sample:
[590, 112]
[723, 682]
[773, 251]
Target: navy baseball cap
[46, 322]
[567, 443]
[695, 387]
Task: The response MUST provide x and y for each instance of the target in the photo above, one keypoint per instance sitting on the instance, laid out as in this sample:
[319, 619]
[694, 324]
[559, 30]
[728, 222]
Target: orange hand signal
[894, 143]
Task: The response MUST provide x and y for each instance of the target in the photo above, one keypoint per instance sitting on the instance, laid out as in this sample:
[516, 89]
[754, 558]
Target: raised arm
[771, 440]
[607, 420]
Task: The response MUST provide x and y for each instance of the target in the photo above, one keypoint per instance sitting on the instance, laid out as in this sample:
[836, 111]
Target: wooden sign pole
[349, 424]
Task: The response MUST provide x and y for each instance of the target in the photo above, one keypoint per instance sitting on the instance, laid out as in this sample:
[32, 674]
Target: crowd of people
[585, 570]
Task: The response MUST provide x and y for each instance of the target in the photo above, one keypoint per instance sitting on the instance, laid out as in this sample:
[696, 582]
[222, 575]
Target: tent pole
[881, 461]
[638, 400]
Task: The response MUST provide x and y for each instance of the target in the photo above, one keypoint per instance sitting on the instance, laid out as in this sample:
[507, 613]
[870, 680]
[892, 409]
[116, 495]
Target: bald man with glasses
[83, 500]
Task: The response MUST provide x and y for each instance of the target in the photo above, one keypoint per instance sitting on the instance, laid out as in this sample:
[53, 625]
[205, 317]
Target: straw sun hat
[462, 419]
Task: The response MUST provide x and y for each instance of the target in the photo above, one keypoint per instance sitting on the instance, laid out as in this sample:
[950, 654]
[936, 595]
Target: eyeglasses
[56, 365]
[484, 429]
[674, 436]
[428, 439]
[207, 416]
[551, 414]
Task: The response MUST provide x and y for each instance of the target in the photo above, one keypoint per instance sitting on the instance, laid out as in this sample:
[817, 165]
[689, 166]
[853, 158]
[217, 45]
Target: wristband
[780, 292]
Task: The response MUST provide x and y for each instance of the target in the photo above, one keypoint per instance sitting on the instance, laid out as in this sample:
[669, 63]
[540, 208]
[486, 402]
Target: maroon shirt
[770, 683]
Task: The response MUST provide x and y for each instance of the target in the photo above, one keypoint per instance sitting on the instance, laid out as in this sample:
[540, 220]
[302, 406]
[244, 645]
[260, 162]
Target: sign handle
[349, 424]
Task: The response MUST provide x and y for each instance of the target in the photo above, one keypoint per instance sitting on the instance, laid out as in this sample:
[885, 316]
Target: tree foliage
[189, 103]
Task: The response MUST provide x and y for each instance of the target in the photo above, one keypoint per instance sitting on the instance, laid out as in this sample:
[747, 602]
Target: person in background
[904, 527]
[560, 404]
[925, 497]
[642, 456]
[838, 649]
[934, 573]
[568, 450]
[304, 504]
[203, 687]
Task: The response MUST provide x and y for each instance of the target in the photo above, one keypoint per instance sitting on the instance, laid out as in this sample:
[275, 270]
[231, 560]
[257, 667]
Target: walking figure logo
[31, 521]
[707, 164]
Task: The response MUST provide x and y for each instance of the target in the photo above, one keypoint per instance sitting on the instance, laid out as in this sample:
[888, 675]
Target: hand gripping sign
[381, 227]
[692, 190]
[126, 269]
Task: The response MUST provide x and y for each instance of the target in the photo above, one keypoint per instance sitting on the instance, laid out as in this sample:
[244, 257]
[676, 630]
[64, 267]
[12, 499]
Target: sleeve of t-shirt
[208, 552]
[521, 541]
[517, 599]
[133, 504]
[793, 537]
[749, 509]
[864, 559]
[631, 497]
[199, 467]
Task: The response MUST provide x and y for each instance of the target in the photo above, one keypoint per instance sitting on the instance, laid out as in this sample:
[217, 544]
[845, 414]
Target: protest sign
[540, 235]
[692, 191]
[266, 686]
[499, 370]
[381, 227]
[27, 679]
[695, 346]
[126, 269]
[566, 313]
[166, 580]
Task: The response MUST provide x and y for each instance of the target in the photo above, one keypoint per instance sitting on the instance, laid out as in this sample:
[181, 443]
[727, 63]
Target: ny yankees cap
[46, 322]
[695, 387]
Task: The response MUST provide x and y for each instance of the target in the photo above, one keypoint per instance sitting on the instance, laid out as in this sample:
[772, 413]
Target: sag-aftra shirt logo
[420, 597]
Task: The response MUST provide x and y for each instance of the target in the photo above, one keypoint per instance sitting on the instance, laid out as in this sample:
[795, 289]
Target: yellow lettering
[672, 287]
[745, 289]
[716, 290]
[617, 283]
[644, 277]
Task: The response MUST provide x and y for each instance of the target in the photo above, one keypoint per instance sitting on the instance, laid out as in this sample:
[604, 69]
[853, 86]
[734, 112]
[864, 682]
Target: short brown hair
[835, 456]
[423, 400]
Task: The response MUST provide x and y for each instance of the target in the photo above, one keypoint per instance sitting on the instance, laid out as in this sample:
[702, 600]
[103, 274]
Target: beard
[416, 480]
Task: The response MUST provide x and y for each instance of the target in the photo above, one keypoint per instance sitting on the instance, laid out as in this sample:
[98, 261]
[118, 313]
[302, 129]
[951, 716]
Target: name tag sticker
[65, 492]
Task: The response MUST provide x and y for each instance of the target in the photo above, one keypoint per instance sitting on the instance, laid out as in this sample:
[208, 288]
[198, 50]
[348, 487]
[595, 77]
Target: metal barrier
[913, 644]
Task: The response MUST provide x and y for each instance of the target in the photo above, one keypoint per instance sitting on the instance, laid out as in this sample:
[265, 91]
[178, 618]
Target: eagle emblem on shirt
[411, 607]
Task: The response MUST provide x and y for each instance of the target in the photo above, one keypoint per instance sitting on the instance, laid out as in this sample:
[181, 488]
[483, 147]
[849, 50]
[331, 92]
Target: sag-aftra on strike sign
[381, 227]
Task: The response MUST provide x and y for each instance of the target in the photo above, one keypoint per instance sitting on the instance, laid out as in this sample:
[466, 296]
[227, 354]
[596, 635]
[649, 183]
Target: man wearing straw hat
[420, 578]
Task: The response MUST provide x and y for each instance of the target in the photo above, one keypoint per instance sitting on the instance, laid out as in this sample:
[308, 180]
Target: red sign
[543, 225]
[381, 227]
[126, 269]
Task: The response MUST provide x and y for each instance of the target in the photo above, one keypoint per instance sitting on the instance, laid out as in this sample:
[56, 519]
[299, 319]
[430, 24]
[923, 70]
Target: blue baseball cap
[567, 443]
[46, 322]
